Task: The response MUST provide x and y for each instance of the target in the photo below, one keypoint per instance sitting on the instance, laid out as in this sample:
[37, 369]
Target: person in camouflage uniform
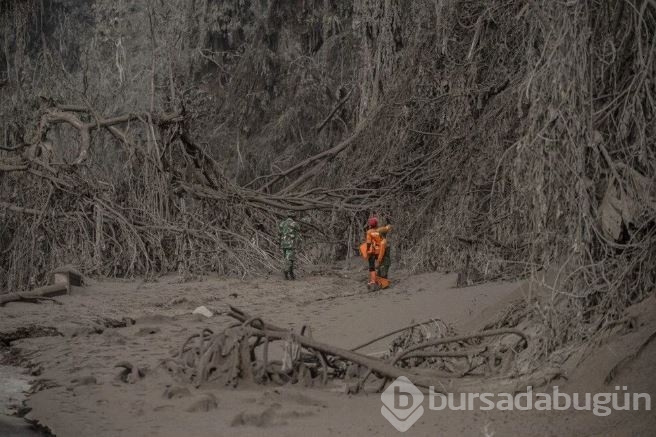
[289, 232]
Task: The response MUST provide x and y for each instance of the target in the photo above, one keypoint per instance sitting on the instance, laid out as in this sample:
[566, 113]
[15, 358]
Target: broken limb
[36, 295]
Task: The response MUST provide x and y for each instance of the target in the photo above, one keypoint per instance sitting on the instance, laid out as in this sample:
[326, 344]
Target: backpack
[375, 244]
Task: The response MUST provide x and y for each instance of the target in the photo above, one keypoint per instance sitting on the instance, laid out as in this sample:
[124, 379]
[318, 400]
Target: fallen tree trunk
[43, 293]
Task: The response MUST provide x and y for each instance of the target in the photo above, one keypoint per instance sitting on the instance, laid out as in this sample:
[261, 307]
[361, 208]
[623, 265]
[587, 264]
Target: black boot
[286, 275]
[291, 275]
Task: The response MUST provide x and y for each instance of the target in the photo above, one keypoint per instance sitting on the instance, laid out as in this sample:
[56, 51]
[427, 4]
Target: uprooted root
[241, 353]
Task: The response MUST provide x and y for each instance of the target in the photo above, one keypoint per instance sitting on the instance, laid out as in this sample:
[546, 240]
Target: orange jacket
[375, 242]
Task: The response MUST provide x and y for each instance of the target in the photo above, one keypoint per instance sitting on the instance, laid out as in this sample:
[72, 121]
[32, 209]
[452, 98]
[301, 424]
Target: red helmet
[372, 222]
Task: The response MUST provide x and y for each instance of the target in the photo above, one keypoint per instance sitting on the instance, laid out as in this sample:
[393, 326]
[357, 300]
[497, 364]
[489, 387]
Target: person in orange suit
[376, 251]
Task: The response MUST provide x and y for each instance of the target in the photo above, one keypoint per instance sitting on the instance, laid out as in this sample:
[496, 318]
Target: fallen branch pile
[243, 352]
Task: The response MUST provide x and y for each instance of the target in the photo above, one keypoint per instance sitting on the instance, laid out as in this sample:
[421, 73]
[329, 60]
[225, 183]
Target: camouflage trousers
[289, 256]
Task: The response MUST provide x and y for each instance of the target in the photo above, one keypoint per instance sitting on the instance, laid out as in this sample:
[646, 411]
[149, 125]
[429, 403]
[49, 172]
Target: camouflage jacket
[289, 232]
